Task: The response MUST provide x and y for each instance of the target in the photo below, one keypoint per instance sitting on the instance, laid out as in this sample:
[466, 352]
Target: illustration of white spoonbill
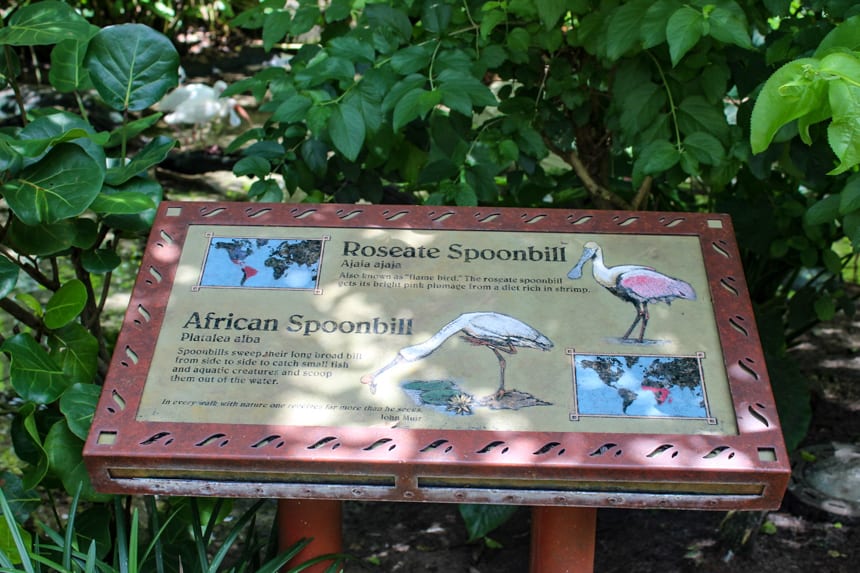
[498, 332]
[636, 284]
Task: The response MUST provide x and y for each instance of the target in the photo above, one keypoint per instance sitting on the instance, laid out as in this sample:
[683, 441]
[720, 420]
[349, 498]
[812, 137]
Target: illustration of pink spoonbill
[637, 284]
[498, 332]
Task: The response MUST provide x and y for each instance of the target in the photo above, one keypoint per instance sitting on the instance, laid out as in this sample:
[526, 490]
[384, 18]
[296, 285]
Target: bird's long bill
[576, 271]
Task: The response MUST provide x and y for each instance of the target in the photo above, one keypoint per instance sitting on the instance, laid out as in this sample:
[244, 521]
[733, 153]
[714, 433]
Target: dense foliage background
[745, 107]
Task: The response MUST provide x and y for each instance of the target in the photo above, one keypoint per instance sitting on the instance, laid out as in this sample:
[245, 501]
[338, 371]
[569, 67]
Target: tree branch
[20, 314]
[642, 193]
[593, 187]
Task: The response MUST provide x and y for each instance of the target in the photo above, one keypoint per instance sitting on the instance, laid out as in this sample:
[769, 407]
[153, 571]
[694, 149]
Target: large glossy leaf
[35, 376]
[152, 154]
[132, 66]
[65, 304]
[8, 276]
[66, 460]
[76, 351]
[61, 185]
[141, 221]
[67, 72]
[44, 23]
[57, 127]
[121, 203]
[42, 240]
[78, 404]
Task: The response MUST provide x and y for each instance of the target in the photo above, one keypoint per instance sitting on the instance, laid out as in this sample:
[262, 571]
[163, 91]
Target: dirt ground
[414, 537]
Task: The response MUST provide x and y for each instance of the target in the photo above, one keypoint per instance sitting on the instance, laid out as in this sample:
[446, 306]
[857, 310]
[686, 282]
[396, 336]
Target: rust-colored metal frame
[749, 470]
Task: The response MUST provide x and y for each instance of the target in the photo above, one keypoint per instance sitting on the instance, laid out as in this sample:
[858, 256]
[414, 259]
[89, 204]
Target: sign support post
[562, 539]
[316, 519]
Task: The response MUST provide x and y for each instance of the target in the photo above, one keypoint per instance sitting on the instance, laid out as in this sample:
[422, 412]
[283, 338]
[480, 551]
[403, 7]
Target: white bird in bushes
[199, 105]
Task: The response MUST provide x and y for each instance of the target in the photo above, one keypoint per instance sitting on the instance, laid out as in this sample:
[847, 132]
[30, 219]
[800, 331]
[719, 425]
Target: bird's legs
[641, 316]
[497, 350]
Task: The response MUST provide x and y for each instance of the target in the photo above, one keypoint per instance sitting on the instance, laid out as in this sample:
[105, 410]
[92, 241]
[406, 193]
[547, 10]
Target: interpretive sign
[444, 354]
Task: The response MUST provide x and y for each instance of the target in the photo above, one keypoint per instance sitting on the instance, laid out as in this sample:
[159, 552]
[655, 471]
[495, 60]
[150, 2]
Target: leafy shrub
[738, 106]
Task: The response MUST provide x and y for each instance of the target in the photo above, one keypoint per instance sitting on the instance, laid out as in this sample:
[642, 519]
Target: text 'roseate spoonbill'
[636, 284]
[498, 332]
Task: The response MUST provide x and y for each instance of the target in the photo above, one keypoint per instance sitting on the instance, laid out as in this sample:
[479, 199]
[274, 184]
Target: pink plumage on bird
[636, 284]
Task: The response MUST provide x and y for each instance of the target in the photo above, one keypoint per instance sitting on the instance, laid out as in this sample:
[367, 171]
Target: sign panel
[420, 331]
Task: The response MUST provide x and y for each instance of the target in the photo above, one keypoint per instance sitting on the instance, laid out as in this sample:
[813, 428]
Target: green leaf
[44, 23]
[8, 276]
[347, 130]
[683, 31]
[825, 308]
[843, 133]
[436, 17]
[275, 28]
[351, 48]
[22, 501]
[481, 519]
[266, 191]
[253, 165]
[76, 351]
[41, 240]
[793, 91]
[141, 221]
[61, 185]
[100, 261]
[132, 66]
[121, 203]
[705, 148]
[292, 109]
[78, 405]
[33, 373]
[846, 35]
[653, 29]
[849, 198]
[65, 304]
[728, 24]
[129, 130]
[67, 72]
[151, 155]
[15, 541]
[412, 59]
[49, 130]
[624, 28]
[66, 461]
[657, 157]
[413, 105]
[315, 155]
[550, 12]
[824, 211]
[453, 82]
[28, 444]
[305, 18]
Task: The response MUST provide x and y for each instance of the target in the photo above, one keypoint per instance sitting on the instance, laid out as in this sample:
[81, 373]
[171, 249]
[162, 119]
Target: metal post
[310, 518]
[562, 539]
